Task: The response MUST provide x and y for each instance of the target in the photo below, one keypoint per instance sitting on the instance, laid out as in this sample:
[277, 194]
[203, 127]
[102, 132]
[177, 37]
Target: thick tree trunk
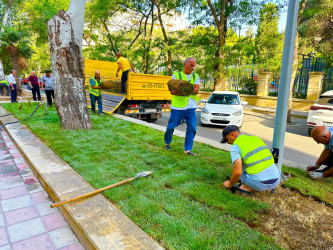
[14, 58]
[68, 69]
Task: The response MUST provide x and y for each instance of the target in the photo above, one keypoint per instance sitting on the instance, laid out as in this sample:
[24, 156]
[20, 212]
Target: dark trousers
[35, 89]
[4, 86]
[124, 80]
[49, 95]
[13, 94]
[93, 100]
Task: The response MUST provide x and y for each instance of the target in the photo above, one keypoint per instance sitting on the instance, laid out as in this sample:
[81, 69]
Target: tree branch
[211, 7]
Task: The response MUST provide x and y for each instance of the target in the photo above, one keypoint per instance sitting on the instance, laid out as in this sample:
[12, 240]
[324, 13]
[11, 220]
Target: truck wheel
[152, 120]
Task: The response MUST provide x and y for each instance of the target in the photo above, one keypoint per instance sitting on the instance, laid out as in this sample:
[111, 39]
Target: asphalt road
[300, 149]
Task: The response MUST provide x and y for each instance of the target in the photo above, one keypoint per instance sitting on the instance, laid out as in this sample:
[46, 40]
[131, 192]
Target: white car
[223, 108]
[321, 112]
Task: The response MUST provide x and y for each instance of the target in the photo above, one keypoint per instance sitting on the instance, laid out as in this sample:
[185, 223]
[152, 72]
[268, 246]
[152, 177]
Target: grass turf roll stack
[183, 88]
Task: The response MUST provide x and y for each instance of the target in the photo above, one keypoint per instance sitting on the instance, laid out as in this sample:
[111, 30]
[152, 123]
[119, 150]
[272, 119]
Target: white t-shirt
[11, 79]
[192, 104]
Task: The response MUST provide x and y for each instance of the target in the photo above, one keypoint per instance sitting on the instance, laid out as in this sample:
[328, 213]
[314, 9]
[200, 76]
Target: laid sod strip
[321, 189]
[183, 205]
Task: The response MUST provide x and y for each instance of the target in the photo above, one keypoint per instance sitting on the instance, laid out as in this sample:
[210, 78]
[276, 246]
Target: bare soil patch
[295, 221]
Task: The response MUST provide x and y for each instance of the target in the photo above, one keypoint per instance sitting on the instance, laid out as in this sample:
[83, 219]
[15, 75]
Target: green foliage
[269, 42]
[183, 206]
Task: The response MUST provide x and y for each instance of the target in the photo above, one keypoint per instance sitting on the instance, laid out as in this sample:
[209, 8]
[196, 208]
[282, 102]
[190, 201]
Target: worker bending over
[253, 162]
[323, 135]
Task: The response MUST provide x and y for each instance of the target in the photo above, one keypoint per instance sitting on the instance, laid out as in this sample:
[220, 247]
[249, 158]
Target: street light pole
[285, 78]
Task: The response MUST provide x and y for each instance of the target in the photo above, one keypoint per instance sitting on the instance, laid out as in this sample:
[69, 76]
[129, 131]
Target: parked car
[321, 112]
[223, 108]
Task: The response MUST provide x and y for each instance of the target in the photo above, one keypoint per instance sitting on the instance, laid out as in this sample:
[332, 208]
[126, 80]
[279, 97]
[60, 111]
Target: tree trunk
[222, 29]
[14, 58]
[295, 62]
[65, 32]
[167, 41]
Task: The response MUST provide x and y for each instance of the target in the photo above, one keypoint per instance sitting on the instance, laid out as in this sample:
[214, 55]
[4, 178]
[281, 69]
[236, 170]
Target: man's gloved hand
[311, 168]
[315, 175]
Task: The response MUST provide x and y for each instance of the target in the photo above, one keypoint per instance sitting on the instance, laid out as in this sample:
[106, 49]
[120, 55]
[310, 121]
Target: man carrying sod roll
[253, 163]
[184, 104]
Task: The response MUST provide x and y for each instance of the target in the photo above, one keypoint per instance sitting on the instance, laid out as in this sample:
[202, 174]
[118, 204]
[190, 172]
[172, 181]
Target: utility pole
[286, 68]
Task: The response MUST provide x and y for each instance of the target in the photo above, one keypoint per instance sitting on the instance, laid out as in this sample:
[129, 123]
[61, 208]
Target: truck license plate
[328, 124]
[150, 110]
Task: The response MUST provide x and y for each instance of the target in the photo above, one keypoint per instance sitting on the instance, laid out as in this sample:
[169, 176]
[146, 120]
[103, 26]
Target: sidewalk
[294, 113]
[26, 219]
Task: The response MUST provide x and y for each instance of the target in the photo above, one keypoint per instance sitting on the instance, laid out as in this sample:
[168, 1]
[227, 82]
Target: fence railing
[244, 85]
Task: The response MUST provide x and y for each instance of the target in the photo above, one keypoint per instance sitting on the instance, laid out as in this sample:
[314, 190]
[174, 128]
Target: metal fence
[244, 85]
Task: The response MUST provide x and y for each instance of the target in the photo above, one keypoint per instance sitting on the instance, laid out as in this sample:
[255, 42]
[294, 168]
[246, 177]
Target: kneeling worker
[322, 135]
[252, 160]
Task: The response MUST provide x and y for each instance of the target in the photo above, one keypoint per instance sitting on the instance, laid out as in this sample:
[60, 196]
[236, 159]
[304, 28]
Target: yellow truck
[147, 96]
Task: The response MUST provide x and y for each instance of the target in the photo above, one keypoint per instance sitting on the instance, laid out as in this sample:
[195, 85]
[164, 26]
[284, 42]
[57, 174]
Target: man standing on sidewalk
[12, 82]
[125, 66]
[96, 93]
[48, 82]
[183, 107]
[34, 85]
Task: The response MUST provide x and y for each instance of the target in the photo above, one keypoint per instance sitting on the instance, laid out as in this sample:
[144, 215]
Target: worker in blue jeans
[96, 93]
[183, 107]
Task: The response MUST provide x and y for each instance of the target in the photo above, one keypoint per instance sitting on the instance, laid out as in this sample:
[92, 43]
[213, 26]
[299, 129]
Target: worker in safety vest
[184, 107]
[4, 84]
[96, 93]
[253, 162]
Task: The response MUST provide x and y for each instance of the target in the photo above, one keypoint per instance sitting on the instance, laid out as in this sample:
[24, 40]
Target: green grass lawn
[183, 205]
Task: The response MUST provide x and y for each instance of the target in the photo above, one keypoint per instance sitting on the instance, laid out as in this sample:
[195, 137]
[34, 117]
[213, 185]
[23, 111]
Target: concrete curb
[96, 221]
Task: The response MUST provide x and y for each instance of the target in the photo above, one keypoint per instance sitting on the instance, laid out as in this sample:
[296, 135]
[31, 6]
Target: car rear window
[325, 100]
[223, 99]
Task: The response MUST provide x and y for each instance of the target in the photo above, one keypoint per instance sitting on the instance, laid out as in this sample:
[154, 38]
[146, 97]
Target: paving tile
[39, 242]
[9, 143]
[45, 209]
[7, 247]
[22, 166]
[17, 155]
[54, 221]
[63, 237]
[9, 176]
[11, 183]
[20, 215]
[7, 139]
[35, 187]
[16, 203]
[30, 179]
[77, 246]
[11, 147]
[4, 152]
[19, 160]
[26, 172]
[2, 221]
[40, 197]
[22, 230]
[8, 169]
[13, 192]
[5, 157]
[3, 237]
[6, 163]
[14, 151]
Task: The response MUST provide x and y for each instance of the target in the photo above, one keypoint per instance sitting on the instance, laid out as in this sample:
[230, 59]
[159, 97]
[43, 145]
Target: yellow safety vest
[95, 92]
[254, 153]
[181, 101]
[4, 81]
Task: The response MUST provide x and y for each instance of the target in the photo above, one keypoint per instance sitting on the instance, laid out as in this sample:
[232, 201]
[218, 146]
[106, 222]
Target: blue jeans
[257, 185]
[191, 121]
[93, 100]
[124, 80]
[13, 94]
